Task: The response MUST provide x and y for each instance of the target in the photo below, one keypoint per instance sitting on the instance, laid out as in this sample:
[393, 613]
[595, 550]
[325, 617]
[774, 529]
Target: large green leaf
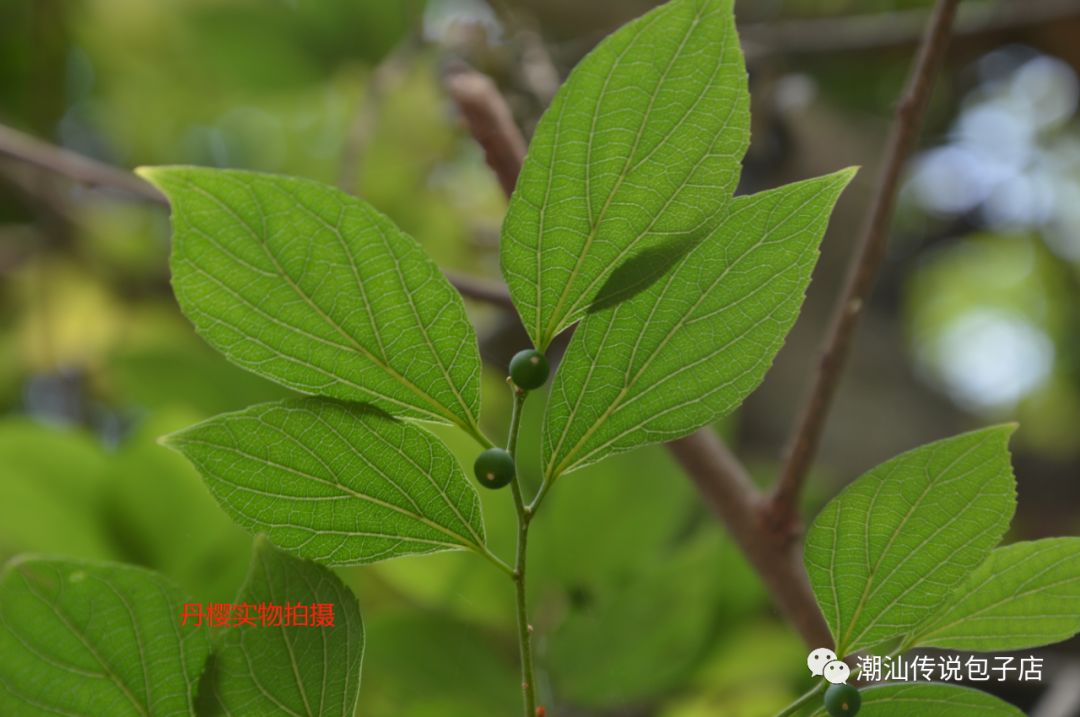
[275, 669]
[888, 551]
[338, 483]
[639, 150]
[929, 700]
[689, 348]
[314, 289]
[1024, 595]
[95, 639]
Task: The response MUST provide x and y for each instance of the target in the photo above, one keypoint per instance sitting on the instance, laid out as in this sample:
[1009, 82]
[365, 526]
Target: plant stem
[524, 513]
[477, 435]
[495, 560]
[545, 486]
[798, 704]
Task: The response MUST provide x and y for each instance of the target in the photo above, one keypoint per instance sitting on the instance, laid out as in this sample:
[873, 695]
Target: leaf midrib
[62, 616]
[440, 410]
[587, 294]
[939, 628]
[377, 225]
[615, 405]
[345, 490]
[554, 320]
[868, 591]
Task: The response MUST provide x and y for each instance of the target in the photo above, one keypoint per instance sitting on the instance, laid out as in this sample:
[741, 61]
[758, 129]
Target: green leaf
[341, 484]
[639, 150]
[889, 550]
[54, 483]
[94, 639]
[633, 640]
[312, 288]
[421, 663]
[689, 348]
[1024, 595]
[929, 700]
[289, 670]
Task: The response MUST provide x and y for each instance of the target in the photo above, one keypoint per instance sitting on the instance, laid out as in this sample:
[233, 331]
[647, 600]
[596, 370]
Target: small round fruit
[529, 369]
[494, 468]
[842, 700]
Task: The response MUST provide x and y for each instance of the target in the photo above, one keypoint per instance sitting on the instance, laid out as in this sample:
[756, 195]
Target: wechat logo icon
[823, 663]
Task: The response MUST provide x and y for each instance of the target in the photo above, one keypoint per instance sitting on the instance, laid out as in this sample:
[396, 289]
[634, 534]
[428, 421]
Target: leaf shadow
[642, 270]
[206, 702]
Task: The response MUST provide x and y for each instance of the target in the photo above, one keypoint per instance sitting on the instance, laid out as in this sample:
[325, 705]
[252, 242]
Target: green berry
[842, 700]
[529, 369]
[494, 468]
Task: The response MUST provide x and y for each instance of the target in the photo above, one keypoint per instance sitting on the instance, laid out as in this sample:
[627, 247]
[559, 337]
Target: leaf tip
[157, 176]
[170, 441]
[844, 176]
[261, 542]
[1006, 430]
[150, 174]
[14, 562]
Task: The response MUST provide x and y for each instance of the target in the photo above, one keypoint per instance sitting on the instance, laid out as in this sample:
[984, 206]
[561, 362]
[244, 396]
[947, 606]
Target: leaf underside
[289, 670]
[1024, 595]
[312, 288]
[691, 347]
[338, 483]
[95, 639]
[639, 151]
[929, 700]
[887, 552]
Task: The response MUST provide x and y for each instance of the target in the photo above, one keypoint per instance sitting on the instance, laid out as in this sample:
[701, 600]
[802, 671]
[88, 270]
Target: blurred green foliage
[639, 598]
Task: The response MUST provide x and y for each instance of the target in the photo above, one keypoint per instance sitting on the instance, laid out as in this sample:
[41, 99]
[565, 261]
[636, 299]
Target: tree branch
[862, 271]
[485, 291]
[489, 120]
[92, 173]
[726, 487]
[873, 31]
[89, 172]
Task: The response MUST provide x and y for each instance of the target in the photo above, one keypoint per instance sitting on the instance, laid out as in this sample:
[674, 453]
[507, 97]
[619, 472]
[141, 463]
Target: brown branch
[89, 172]
[485, 291]
[831, 35]
[71, 165]
[726, 487]
[863, 269]
[489, 121]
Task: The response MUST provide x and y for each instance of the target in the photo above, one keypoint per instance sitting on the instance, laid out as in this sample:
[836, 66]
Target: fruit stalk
[528, 681]
[798, 704]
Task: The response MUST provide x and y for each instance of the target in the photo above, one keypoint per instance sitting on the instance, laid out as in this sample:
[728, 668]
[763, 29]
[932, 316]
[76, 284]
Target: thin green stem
[798, 704]
[478, 436]
[545, 486]
[485, 552]
[515, 422]
[524, 513]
